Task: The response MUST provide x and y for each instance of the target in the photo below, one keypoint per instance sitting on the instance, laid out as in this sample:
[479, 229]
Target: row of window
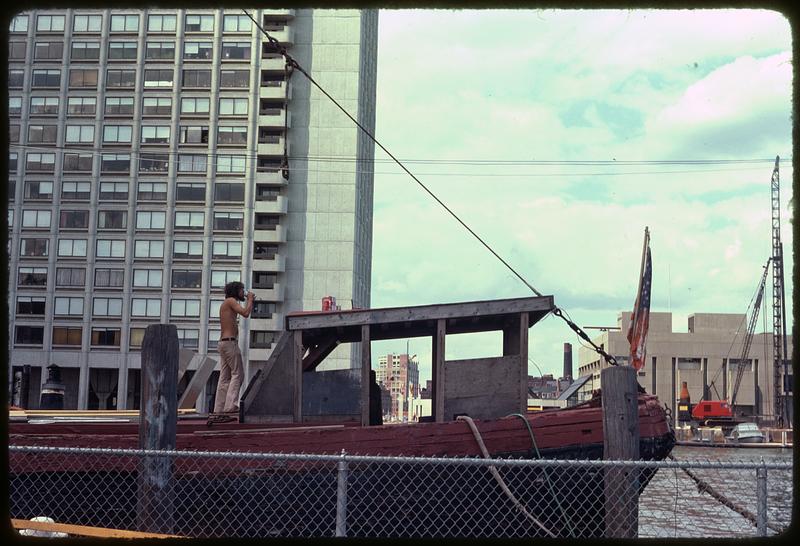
[122, 134]
[64, 337]
[121, 163]
[130, 23]
[87, 78]
[128, 51]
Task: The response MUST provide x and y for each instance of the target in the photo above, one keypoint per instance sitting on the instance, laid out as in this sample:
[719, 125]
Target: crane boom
[778, 306]
[748, 337]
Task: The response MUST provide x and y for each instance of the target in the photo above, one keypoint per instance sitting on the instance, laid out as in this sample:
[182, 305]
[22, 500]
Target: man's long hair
[232, 290]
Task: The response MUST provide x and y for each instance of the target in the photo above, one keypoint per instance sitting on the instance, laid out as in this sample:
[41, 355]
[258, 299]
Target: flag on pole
[640, 319]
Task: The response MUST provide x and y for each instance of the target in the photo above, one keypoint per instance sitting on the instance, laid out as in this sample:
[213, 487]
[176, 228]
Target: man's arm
[244, 311]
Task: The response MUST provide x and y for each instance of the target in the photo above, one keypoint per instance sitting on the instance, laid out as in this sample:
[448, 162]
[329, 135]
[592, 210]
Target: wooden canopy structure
[482, 388]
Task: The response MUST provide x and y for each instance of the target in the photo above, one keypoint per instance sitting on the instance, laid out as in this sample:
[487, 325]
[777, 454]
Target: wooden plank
[366, 366]
[198, 381]
[418, 313]
[319, 352]
[438, 384]
[522, 403]
[235, 432]
[483, 388]
[297, 379]
[620, 442]
[84, 531]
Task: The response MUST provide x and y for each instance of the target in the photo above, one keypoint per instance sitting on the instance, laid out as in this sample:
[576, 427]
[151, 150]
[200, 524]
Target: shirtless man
[231, 368]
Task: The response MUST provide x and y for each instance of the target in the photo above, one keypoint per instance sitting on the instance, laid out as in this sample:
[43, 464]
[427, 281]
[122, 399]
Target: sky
[497, 113]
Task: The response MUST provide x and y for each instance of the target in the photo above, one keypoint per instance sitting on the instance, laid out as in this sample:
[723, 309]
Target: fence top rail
[465, 461]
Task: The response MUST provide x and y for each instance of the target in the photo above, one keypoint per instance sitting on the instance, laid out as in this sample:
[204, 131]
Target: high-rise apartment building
[155, 155]
[399, 374]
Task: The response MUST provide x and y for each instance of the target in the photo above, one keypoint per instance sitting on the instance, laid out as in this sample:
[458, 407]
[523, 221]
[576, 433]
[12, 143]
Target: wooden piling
[158, 421]
[620, 400]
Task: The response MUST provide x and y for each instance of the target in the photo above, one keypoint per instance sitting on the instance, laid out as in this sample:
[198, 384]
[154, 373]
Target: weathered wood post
[158, 421]
[620, 442]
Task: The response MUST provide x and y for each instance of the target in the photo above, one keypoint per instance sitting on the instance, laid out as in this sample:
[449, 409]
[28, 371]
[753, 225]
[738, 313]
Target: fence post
[761, 499]
[158, 419]
[620, 399]
[341, 497]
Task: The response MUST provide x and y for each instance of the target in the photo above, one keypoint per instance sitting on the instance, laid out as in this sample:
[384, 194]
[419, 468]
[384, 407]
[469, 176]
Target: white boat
[746, 433]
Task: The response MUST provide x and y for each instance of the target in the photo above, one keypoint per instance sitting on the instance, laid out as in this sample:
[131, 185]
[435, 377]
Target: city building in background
[399, 374]
[706, 357]
[156, 155]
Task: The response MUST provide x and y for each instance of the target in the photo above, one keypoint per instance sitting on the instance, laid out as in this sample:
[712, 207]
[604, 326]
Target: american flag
[640, 320]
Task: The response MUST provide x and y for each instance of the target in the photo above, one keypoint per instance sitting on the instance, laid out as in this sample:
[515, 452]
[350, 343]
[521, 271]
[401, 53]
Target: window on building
[162, 23]
[214, 335]
[230, 164]
[17, 51]
[19, 24]
[188, 338]
[189, 220]
[187, 250]
[72, 248]
[12, 162]
[236, 23]
[157, 106]
[264, 279]
[689, 363]
[236, 51]
[81, 106]
[70, 336]
[224, 193]
[38, 191]
[80, 51]
[200, 79]
[68, 306]
[44, 106]
[158, 77]
[74, 219]
[195, 105]
[113, 191]
[42, 134]
[124, 23]
[119, 106]
[48, 50]
[78, 191]
[78, 162]
[112, 219]
[194, 134]
[192, 163]
[30, 305]
[267, 221]
[105, 337]
[29, 335]
[146, 307]
[120, 163]
[83, 77]
[185, 278]
[232, 135]
[199, 23]
[120, 78]
[50, 23]
[150, 163]
[228, 221]
[184, 308]
[70, 276]
[136, 337]
[227, 249]
[122, 51]
[151, 220]
[107, 307]
[232, 107]
[155, 134]
[87, 23]
[213, 309]
[14, 106]
[147, 278]
[152, 191]
[197, 50]
[117, 134]
[234, 78]
[265, 251]
[40, 162]
[31, 248]
[221, 277]
[16, 78]
[190, 192]
[79, 134]
[260, 339]
[267, 193]
[148, 249]
[13, 133]
[36, 219]
[263, 309]
[32, 276]
[160, 51]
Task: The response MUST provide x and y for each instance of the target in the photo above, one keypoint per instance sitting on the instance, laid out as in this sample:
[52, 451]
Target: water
[672, 506]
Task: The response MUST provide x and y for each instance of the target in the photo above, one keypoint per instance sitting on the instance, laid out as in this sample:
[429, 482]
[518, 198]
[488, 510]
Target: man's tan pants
[230, 377]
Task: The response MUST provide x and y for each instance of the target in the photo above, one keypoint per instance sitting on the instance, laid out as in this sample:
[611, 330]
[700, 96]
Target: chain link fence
[226, 494]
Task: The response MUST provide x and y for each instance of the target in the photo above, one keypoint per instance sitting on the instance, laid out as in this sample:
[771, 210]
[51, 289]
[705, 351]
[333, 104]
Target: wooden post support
[515, 342]
[366, 366]
[620, 442]
[297, 366]
[438, 372]
[158, 421]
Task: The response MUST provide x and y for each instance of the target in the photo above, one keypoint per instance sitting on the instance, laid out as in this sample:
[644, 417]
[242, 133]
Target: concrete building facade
[399, 374]
[706, 357]
[157, 154]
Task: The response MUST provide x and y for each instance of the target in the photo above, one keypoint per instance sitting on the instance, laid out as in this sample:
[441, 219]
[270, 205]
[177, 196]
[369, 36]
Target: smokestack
[568, 361]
